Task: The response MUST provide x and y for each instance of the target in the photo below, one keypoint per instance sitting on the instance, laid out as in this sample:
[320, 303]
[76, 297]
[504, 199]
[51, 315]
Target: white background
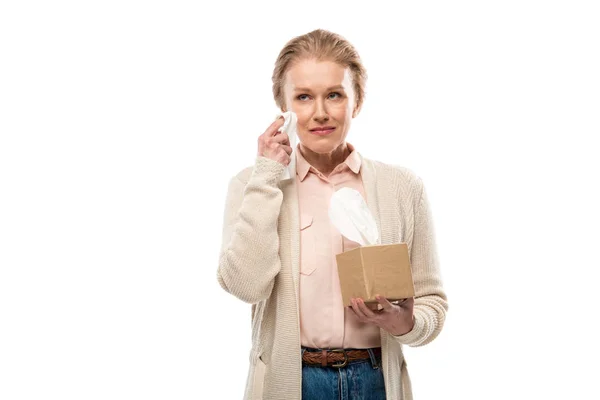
[122, 122]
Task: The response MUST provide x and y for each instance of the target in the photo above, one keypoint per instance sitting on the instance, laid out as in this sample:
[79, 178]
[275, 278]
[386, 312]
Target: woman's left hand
[396, 319]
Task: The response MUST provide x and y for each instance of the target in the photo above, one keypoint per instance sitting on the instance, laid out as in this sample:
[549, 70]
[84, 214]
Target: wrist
[405, 331]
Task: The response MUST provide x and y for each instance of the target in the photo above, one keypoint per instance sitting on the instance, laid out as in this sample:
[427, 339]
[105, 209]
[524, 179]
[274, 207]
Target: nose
[320, 115]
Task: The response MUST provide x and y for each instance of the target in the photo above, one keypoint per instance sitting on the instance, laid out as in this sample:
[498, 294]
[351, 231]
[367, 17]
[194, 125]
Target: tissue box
[377, 269]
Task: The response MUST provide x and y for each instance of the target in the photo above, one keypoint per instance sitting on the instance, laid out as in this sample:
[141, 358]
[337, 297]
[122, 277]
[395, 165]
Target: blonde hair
[321, 45]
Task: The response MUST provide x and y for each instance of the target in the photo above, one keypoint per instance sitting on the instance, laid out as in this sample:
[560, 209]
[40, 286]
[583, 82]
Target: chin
[323, 146]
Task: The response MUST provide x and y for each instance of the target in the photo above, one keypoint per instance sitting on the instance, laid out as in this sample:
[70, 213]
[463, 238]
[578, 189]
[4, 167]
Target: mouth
[322, 130]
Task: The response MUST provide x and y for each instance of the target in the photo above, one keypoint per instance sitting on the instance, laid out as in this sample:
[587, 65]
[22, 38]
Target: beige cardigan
[259, 263]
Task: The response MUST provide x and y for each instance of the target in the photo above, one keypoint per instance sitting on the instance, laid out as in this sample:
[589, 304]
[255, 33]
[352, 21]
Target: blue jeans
[359, 380]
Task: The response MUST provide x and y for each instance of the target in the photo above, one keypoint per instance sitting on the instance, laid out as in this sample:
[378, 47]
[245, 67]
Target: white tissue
[290, 126]
[350, 214]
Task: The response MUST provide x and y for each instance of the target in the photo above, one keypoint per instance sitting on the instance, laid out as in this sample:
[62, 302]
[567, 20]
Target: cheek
[303, 118]
[341, 113]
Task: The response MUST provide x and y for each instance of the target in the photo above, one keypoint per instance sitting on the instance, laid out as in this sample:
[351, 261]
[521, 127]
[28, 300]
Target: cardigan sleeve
[249, 256]
[431, 303]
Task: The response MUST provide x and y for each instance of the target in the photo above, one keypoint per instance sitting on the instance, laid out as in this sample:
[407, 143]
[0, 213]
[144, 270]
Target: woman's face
[321, 95]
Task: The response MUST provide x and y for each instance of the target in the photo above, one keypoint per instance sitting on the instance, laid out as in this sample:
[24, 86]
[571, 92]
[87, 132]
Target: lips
[322, 130]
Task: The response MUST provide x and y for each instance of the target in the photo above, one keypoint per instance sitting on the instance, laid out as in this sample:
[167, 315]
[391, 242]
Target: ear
[355, 111]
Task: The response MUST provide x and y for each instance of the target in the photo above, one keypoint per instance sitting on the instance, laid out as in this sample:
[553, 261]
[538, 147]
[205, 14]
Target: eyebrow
[301, 89]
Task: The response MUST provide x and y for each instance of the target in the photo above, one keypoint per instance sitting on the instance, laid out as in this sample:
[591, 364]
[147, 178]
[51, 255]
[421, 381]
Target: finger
[407, 302]
[272, 129]
[281, 138]
[365, 310]
[385, 303]
[357, 311]
[287, 149]
[351, 308]
[359, 316]
[276, 147]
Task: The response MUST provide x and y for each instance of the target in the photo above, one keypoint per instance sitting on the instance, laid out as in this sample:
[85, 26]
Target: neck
[326, 162]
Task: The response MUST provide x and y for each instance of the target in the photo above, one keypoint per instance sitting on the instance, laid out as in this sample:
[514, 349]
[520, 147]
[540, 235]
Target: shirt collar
[353, 161]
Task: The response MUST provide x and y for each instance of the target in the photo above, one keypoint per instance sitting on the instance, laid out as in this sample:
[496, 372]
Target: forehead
[317, 75]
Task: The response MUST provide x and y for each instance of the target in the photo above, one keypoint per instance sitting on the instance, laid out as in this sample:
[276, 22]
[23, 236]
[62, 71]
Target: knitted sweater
[259, 264]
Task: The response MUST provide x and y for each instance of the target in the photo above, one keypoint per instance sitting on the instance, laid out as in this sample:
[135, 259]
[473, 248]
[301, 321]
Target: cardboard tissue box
[372, 268]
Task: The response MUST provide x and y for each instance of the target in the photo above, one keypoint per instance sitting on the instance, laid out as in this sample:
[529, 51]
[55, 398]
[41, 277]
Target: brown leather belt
[338, 357]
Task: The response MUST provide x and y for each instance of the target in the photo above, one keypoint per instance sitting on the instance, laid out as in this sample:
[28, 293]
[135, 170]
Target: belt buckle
[343, 364]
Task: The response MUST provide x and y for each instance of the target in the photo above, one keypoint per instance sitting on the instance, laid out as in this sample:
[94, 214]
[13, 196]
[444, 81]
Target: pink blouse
[324, 322]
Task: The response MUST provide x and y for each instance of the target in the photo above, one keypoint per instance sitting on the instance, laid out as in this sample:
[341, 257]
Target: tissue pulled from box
[350, 214]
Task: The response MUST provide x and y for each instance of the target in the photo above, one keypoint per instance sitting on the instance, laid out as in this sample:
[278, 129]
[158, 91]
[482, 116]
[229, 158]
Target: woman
[278, 250]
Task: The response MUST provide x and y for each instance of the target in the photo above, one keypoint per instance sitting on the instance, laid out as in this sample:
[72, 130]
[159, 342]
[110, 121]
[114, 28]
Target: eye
[301, 97]
[335, 93]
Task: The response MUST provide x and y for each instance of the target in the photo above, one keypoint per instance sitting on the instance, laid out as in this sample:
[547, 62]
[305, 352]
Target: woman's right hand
[275, 145]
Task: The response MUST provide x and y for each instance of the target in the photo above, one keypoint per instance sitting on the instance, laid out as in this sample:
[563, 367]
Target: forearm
[249, 258]
[429, 314]
[431, 303]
